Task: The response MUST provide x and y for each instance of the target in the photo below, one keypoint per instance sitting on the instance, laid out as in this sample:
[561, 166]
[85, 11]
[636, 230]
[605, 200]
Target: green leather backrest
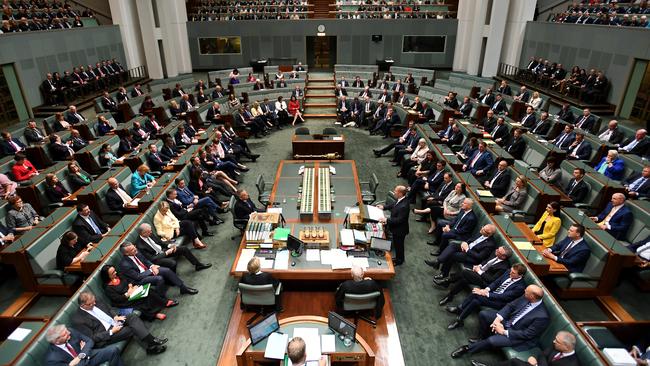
[639, 229]
[42, 252]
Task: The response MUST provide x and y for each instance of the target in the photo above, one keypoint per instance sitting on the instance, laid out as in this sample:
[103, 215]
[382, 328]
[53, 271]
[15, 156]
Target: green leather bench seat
[590, 276]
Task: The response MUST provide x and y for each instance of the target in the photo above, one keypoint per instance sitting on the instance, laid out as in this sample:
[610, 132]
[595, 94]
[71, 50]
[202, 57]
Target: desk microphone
[96, 247]
[507, 217]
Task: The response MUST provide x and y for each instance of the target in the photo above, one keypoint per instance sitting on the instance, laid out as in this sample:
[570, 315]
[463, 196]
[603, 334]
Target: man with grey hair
[398, 222]
[561, 354]
[104, 326]
[164, 254]
[359, 285]
[297, 353]
[70, 347]
[616, 218]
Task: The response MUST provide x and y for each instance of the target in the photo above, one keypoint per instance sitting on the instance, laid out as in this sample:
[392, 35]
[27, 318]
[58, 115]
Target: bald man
[117, 199]
[398, 222]
[518, 325]
[359, 285]
[561, 353]
[616, 218]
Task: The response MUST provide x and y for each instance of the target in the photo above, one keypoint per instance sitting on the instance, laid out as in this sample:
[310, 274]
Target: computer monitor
[380, 244]
[340, 325]
[295, 245]
[263, 328]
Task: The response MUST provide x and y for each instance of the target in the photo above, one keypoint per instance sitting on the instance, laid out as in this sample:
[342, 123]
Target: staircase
[320, 101]
[322, 8]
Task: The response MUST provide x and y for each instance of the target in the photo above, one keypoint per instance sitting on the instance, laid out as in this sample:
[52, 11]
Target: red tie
[142, 266]
[557, 356]
[71, 350]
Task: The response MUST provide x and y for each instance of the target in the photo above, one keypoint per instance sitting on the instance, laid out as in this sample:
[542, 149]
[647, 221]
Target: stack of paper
[484, 193]
[313, 255]
[266, 263]
[274, 210]
[245, 256]
[312, 341]
[276, 346]
[619, 357]
[339, 259]
[375, 213]
[347, 238]
[360, 237]
[524, 245]
[281, 260]
[328, 343]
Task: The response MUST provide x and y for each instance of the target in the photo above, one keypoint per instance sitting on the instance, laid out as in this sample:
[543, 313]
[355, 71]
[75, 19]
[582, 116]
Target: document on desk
[19, 334]
[276, 346]
[484, 193]
[328, 343]
[337, 138]
[275, 210]
[523, 245]
[375, 213]
[313, 255]
[351, 210]
[326, 257]
[359, 262]
[245, 256]
[312, 340]
[267, 263]
[134, 202]
[340, 259]
[347, 238]
[281, 260]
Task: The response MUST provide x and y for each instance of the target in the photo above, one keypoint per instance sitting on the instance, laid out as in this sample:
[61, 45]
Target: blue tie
[93, 225]
[517, 314]
[637, 184]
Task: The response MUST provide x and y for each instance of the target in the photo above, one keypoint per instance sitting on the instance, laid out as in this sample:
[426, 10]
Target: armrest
[55, 204]
[51, 273]
[519, 212]
[279, 289]
[582, 277]
[581, 205]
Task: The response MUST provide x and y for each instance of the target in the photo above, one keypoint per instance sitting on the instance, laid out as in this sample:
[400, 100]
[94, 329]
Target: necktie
[489, 264]
[566, 250]
[561, 140]
[503, 286]
[496, 128]
[582, 120]
[442, 190]
[154, 246]
[495, 105]
[139, 263]
[14, 145]
[605, 135]
[557, 356]
[631, 145]
[611, 214]
[79, 117]
[476, 242]
[517, 315]
[575, 149]
[575, 183]
[70, 349]
[478, 155]
[93, 225]
[495, 178]
[460, 220]
[637, 184]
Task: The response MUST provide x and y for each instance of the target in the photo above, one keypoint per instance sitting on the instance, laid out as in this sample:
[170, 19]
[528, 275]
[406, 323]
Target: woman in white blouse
[449, 209]
[417, 157]
[535, 101]
[168, 227]
[282, 111]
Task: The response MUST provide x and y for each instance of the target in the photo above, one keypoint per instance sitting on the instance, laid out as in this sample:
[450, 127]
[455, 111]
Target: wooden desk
[555, 268]
[528, 233]
[308, 145]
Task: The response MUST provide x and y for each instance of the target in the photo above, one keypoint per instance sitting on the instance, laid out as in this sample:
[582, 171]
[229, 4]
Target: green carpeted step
[320, 110]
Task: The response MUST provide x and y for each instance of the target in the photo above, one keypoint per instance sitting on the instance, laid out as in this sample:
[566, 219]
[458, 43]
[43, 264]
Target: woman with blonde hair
[535, 101]
[417, 157]
[168, 227]
[141, 179]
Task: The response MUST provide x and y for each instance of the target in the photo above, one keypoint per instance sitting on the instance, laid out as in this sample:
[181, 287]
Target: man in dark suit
[116, 196]
[479, 275]
[499, 105]
[122, 96]
[579, 149]
[152, 126]
[108, 103]
[199, 216]
[390, 119]
[572, 251]
[586, 122]
[523, 95]
[489, 121]
[566, 138]
[77, 141]
[59, 151]
[500, 180]
[480, 162]
[577, 188]
[244, 206]
[343, 109]
[214, 113]
[518, 324]
[340, 92]
[637, 145]
[616, 218]
[359, 285]
[543, 126]
[487, 97]
[504, 88]
[529, 119]
[358, 83]
[459, 229]
[496, 295]
[365, 93]
[73, 117]
[402, 99]
[406, 147]
[178, 91]
[137, 91]
[455, 137]
[104, 326]
[343, 83]
[67, 344]
[430, 182]
[565, 114]
[517, 144]
[89, 227]
[398, 222]
[127, 144]
[164, 254]
[470, 252]
[500, 132]
[562, 353]
[138, 270]
[612, 133]
[427, 114]
[637, 185]
[32, 134]
[466, 107]
[10, 145]
[155, 161]
[398, 86]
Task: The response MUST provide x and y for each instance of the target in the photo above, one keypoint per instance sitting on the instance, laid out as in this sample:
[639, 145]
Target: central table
[318, 145]
[346, 194]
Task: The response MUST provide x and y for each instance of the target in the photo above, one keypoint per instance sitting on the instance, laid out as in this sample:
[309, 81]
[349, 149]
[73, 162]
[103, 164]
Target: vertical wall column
[520, 12]
[124, 14]
[150, 37]
[173, 29]
[495, 37]
[463, 38]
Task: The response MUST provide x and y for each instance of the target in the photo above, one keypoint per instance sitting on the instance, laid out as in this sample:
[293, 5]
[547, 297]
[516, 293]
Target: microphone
[507, 217]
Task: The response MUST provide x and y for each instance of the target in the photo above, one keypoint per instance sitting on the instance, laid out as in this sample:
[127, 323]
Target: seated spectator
[59, 150]
[535, 101]
[416, 157]
[459, 229]
[611, 166]
[118, 290]
[637, 185]
[508, 327]
[579, 149]
[214, 113]
[481, 162]
[33, 134]
[515, 198]
[199, 216]
[103, 126]
[7, 187]
[572, 251]
[60, 337]
[78, 178]
[70, 251]
[565, 139]
[141, 179]
[162, 253]
[104, 326]
[577, 188]
[444, 202]
[73, 117]
[587, 121]
[451, 101]
[255, 276]
[23, 170]
[565, 114]
[76, 141]
[155, 160]
[469, 148]
[612, 133]
[500, 180]
[561, 353]
[60, 124]
[637, 145]
[21, 216]
[517, 145]
[359, 285]
[294, 110]
[168, 227]
[127, 144]
[116, 197]
[54, 190]
[10, 145]
[548, 225]
[496, 295]
[88, 226]
[106, 156]
[190, 201]
[616, 218]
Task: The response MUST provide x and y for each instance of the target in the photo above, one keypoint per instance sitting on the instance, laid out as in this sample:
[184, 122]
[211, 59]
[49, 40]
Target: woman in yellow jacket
[169, 227]
[548, 225]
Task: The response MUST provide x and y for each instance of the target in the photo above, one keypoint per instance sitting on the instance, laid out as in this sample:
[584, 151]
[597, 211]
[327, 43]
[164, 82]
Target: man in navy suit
[10, 145]
[155, 161]
[616, 218]
[400, 142]
[529, 118]
[642, 250]
[66, 345]
[500, 132]
[572, 251]
[430, 182]
[499, 105]
[637, 145]
[579, 149]
[480, 162]
[398, 222]
[89, 227]
[566, 138]
[244, 206]
[343, 109]
[139, 270]
[587, 121]
[500, 180]
[518, 324]
[577, 188]
[189, 199]
[459, 229]
[542, 126]
[496, 295]
[469, 252]
[390, 119]
[637, 185]
[73, 117]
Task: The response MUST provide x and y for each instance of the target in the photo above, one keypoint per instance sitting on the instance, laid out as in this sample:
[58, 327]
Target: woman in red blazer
[294, 110]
